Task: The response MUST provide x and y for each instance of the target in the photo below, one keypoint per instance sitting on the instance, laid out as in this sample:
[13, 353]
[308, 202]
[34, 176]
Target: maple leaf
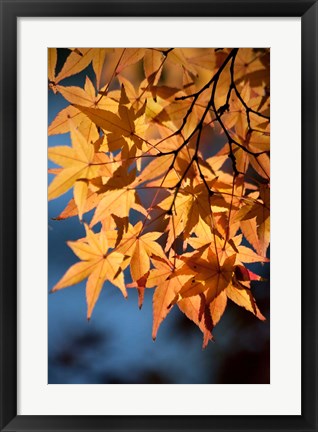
[218, 306]
[84, 96]
[189, 206]
[97, 265]
[139, 248]
[178, 57]
[128, 57]
[208, 274]
[117, 197]
[247, 63]
[117, 202]
[237, 115]
[121, 126]
[79, 163]
[255, 142]
[60, 124]
[52, 60]
[225, 249]
[215, 283]
[87, 96]
[136, 97]
[78, 60]
[168, 284]
[191, 307]
[243, 297]
[77, 95]
[155, 169]
[204, 58]
[71, 208]
[255, 221]
[153, 60]
[98, 63]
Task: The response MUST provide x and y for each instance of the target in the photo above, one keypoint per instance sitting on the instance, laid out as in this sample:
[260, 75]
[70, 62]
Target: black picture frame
[10, 11]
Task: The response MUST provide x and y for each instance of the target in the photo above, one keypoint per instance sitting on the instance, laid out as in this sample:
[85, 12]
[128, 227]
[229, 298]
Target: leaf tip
[261, 317]
[55, 288]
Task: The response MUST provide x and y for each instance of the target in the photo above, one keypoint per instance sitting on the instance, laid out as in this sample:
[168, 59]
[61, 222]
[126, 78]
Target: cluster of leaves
[170, 154]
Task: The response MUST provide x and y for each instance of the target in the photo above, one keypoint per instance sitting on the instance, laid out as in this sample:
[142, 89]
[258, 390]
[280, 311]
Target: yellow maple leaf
[168, 285]
[98, 265]
[209, 275]
[78, 162]
[139, 248]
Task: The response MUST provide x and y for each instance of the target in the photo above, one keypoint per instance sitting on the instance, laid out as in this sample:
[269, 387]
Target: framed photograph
[158, 215]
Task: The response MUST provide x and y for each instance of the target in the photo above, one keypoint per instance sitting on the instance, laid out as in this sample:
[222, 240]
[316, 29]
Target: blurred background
[116, 347]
